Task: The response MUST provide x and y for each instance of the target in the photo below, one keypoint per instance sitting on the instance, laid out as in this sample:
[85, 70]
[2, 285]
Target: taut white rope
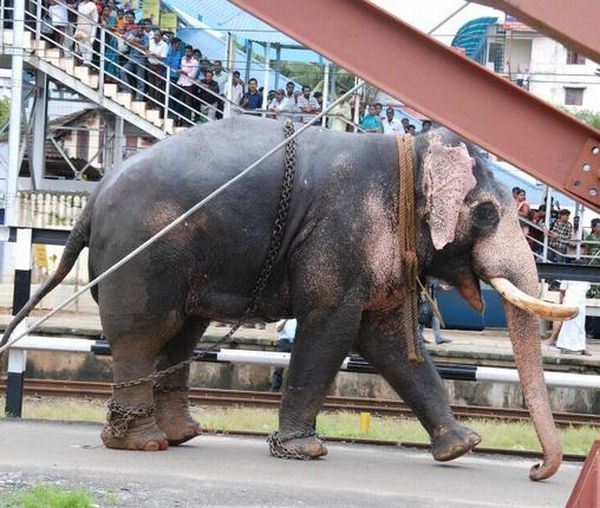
[178, 220]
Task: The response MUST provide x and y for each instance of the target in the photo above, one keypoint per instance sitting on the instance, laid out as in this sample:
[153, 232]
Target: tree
[587, 116]
[4, 111]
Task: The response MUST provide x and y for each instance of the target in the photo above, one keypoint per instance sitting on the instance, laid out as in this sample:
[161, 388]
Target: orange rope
[407, 240]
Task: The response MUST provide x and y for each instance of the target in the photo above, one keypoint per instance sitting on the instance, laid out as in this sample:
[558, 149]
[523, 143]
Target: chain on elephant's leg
[130, 423]
[322, 342]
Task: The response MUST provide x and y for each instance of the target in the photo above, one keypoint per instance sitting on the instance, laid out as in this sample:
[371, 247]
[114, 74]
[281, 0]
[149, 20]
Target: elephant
[338, 272]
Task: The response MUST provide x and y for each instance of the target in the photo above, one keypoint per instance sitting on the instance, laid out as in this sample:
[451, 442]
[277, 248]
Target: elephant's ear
[447, 179]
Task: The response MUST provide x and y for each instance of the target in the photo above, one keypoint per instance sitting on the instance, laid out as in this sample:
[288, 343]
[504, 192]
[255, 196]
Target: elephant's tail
[78, 239]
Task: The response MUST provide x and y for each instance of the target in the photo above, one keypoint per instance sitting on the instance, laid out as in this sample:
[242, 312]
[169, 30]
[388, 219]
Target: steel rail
[220, 397]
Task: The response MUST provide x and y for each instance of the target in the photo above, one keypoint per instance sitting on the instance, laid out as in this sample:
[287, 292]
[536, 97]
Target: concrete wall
[87, 367]
[549, 74]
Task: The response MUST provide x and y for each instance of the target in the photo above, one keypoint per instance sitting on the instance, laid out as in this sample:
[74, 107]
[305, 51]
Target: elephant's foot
[130, 428]
[450, 443]
[142, 434]
[303, 447]
[173, 417]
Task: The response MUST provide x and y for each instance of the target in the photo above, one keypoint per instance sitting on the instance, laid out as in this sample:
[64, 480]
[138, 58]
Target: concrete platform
[488, 347]
[234, 471]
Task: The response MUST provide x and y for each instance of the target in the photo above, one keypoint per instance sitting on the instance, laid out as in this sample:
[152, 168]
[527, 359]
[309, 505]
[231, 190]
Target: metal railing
[544, 252]
[114, 63]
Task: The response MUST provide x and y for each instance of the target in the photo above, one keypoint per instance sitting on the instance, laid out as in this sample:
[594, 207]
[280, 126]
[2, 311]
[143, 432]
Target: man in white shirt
[235, 92]
[283, 104]
[157, 52]
[60, 20]
[221, 77]
[306, 103]
[392, 125]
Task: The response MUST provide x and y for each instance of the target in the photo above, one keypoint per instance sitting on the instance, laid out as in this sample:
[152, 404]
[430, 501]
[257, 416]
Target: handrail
[169, 99]
[292, 114]
[571, 242]
[166, 68]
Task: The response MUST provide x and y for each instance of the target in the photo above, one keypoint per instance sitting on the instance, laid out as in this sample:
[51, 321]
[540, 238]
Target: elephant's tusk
[518, 298]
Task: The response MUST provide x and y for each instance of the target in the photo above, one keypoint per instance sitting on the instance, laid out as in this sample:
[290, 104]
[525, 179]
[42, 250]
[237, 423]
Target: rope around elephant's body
[407, 241]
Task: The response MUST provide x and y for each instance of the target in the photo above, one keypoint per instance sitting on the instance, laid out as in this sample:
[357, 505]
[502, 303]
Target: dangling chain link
[267, 268]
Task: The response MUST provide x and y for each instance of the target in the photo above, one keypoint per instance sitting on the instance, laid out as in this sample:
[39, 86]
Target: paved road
[232, 471]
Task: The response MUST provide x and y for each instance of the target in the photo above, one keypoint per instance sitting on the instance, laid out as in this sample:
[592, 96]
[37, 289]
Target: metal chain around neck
[266, 270]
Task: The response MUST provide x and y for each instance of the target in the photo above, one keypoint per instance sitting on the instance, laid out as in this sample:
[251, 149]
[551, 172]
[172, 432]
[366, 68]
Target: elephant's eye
[485, 218]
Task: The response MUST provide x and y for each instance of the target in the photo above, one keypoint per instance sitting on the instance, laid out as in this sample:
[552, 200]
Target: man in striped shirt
[559, 237]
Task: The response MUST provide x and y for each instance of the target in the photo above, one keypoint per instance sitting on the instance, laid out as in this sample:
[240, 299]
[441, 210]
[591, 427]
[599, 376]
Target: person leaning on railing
[134, 69]
[157, 53]
[185, 92]
[559, 237]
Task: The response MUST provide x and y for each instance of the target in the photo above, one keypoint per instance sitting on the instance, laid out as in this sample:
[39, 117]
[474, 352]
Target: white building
[547, 68]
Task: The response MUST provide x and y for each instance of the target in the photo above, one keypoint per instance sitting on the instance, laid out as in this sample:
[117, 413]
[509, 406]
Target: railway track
[217, 397]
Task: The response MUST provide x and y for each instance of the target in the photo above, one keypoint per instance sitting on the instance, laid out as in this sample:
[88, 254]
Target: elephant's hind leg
[420, 386]
[170, 392]
[131, 423]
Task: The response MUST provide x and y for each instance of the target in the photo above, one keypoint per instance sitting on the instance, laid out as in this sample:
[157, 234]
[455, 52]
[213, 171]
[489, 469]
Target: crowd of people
[562, 234]
[143, 59]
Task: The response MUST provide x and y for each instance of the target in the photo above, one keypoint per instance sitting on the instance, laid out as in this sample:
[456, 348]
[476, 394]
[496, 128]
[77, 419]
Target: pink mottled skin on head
[447, 179]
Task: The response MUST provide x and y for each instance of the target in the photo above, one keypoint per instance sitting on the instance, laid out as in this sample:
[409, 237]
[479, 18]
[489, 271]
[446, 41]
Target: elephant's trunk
[524, 331]
[506, 255]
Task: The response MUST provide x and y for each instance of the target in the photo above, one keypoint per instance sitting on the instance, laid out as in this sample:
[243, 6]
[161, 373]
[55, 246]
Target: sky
[426, 14]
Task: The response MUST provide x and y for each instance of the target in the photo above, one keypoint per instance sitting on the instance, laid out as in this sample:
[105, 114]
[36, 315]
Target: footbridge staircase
[108, 78]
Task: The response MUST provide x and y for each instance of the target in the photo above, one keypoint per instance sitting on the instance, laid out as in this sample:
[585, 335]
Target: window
[83, 144]
[573, 96]
[574, 58]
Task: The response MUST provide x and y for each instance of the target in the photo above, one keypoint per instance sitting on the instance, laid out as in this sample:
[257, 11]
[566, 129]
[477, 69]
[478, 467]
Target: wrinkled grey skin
[337, 272]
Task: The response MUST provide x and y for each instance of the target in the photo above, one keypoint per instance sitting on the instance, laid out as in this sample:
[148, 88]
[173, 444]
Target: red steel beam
[575, 23]
[446, 86]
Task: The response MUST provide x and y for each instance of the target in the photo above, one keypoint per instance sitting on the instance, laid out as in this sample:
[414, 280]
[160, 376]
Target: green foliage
[590, 117]
[4, 111]
[47, 497]
[312, 74]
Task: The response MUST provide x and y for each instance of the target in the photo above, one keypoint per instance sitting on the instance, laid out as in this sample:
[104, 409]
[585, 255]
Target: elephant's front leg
[323, 339]
[419, 385]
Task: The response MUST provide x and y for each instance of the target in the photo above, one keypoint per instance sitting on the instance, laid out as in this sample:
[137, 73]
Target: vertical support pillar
[248, 60]
[118, 143]
[357, 97]
[265, 101]
[14, 129]
[325, 93]
[14, 133]
[332, 81]
[547, 222]
[17, 358]
[277, 66]
[229, 62]
[37, 163]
